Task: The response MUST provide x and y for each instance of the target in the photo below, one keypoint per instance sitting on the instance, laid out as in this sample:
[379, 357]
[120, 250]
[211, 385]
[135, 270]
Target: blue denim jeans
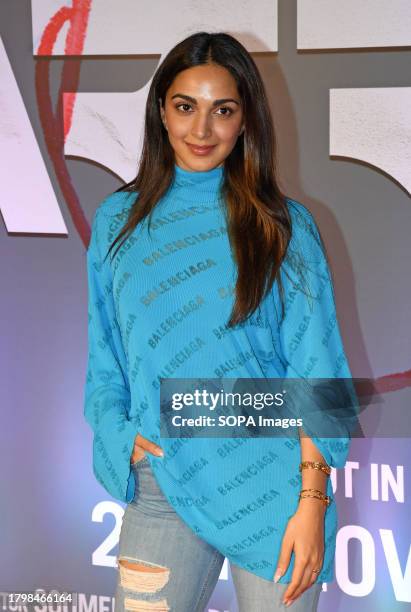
[182, 570]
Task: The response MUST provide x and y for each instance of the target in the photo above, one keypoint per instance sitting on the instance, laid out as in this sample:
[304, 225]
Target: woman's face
[202, 108]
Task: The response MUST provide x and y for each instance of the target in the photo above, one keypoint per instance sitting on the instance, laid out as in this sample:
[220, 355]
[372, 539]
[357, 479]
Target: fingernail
[160, 453]
[277, 577]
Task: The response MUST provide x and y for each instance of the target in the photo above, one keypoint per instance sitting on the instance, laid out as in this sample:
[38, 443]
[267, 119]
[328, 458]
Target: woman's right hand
[141, 445]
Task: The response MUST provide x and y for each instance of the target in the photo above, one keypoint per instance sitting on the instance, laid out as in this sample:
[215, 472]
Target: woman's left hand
[305, 534]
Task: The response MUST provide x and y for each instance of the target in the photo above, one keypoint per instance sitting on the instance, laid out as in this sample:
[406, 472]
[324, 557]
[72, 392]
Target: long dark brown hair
[258, 221]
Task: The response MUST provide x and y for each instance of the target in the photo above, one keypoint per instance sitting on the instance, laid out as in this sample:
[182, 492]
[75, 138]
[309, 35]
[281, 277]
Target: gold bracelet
[317, 494]
[326, 500]
[316, 465]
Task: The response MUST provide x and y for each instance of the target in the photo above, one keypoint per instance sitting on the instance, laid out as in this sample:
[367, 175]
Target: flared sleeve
[311, 342]
[107, 391]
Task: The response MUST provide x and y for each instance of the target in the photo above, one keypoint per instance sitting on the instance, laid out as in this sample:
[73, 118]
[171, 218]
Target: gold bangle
[314, 491]
[317, 494]
[316, 465]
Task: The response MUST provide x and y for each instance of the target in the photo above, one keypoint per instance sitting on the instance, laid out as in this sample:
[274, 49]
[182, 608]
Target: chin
[200, 164]
[204, 162]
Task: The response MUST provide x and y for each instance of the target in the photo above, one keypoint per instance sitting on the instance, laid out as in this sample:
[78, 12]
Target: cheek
[177, 129]
[227, 133]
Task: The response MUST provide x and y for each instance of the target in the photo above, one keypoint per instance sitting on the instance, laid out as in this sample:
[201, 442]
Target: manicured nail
[277, 577]
[160, 453]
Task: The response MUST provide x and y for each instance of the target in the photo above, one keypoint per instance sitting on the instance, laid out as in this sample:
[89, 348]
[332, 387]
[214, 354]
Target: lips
[200, 150]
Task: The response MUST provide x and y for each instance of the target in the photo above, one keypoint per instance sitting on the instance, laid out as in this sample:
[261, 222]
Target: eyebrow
[194, 101]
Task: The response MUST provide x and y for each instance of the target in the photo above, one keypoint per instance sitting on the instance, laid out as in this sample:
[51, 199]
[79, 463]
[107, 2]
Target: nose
[201, 127]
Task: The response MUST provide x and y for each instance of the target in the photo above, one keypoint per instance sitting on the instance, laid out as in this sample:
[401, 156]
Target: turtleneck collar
[206, 181]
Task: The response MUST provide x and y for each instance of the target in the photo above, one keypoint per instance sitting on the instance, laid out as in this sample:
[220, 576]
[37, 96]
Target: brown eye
[183, 104]
[227, 108]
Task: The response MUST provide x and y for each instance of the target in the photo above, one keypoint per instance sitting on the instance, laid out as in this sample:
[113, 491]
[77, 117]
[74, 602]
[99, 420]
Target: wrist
[316, 496]
[312, 504]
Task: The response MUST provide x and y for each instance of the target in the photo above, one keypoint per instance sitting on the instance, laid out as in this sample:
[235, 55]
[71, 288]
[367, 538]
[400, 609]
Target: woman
[213, 286]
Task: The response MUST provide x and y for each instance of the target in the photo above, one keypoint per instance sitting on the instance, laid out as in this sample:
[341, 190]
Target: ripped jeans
[180, 569]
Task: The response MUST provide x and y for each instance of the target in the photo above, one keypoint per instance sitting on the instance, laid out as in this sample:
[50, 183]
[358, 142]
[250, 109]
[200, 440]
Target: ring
[316, 571]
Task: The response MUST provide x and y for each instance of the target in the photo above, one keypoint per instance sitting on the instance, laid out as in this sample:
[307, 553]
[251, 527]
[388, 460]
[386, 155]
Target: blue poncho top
[158, 310]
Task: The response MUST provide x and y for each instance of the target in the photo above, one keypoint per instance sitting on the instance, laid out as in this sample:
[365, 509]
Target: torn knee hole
[139, 605]
[143, 576]
[143, 566]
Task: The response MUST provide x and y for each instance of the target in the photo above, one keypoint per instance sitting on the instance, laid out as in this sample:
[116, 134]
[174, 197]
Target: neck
[203, 180]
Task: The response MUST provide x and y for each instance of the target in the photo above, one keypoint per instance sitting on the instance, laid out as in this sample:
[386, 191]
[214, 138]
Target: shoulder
[305, 256]
[109, 216]
[113, 211]
[296, 208]
[302, 219]
[116, 203]
[305, 233]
